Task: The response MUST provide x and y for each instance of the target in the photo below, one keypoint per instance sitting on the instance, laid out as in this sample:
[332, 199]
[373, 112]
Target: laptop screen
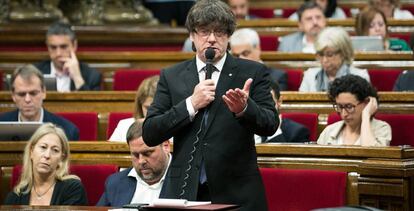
[367, 43]
[17, 131]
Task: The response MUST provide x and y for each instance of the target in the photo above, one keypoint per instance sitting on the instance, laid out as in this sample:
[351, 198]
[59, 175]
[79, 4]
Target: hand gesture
[71, 67]
[236, 100]
[203, 94]
[371, 107]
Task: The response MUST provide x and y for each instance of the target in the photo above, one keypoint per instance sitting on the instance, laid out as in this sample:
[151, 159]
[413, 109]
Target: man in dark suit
[28, 92]
[213, 121]
[288, 131]
[71, 75]
[405, 81]
[143, 182]
[245, 43]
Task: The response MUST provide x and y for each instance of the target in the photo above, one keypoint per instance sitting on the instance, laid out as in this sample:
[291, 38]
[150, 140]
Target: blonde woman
[45, 179]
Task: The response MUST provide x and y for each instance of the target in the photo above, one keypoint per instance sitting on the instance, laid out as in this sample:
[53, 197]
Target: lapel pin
[230, 74]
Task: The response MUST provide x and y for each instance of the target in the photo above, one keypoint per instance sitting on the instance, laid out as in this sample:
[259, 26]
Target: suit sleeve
[92, 79]
[260, 116]
[163, 118]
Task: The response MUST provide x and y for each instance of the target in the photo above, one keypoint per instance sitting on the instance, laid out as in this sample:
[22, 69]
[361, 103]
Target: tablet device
[17, 131]
[367, 43]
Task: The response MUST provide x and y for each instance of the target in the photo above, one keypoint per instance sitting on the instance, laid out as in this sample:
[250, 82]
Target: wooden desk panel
[384, 176]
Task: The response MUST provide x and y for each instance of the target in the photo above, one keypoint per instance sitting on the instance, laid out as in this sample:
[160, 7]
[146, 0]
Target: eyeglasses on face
[33, 93]
[327, 54]
[349, 108]
[206, 33]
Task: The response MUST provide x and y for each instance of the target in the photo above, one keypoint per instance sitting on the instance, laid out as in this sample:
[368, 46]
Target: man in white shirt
[71, 75]
[143, 182]
[311, 21]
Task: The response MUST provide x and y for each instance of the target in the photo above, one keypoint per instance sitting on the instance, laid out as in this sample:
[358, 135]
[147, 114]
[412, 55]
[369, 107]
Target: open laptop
[367, 43]
[50, 82]
[17, 131]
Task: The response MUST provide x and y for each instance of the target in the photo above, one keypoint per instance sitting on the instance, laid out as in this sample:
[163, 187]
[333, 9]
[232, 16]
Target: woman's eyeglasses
[349, 108]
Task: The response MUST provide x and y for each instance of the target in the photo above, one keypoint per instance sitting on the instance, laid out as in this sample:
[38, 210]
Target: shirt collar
[40, 119]
[219, 65]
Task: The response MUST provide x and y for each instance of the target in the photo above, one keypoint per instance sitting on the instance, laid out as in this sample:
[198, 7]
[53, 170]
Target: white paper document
[177, 203]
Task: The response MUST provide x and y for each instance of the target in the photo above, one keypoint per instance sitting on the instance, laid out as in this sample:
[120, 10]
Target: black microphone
[209, 54]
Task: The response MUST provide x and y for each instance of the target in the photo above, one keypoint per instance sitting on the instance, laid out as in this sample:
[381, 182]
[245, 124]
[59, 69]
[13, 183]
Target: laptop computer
[50, 82]
[17, 131]
[367, 43]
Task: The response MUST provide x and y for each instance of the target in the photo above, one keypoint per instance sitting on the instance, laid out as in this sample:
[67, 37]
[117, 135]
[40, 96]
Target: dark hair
[307, 5]
[330, 8]
[364, 19]
[134, 131]
[353, 84]
[26, 72]
[60, 28]
[275, 87]
[212, 14]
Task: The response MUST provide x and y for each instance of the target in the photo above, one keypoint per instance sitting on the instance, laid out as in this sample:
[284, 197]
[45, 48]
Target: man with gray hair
[245, 44]
[71, 75]
[28, 92]
[213, 119]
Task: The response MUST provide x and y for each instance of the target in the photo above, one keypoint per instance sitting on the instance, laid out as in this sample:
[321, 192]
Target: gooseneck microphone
[209, 54]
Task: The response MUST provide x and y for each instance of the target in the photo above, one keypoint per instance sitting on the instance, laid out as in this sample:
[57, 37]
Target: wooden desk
[105, 102]
[39, 208]
[383, 177]
[108, 62]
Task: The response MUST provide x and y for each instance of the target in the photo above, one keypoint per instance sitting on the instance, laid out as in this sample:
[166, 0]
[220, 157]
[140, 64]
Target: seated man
[28, 92]
[311, 21]
[240, 9]
[289, 131]
[245, 43]
[143, 182]
[69, 72]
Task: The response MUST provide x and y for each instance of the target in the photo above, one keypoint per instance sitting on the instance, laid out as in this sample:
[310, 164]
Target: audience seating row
[130, 79]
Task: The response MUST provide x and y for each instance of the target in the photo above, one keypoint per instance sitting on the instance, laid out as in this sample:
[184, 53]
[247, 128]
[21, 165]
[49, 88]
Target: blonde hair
[337, 38]
[145, 90]
[25, 183]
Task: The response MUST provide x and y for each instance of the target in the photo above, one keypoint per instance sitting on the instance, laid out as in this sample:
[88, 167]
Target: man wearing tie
[213, 120]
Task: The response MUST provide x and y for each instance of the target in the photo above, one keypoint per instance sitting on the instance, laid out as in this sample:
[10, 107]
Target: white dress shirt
[62, 79]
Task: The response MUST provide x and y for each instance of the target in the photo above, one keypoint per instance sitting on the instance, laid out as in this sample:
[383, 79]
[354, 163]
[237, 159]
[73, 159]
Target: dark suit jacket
[280, 77]
[226, 143]
[119, 190]
[291, 132]
[66, 192]
[405, 81]
[91, 76]
[72, 132]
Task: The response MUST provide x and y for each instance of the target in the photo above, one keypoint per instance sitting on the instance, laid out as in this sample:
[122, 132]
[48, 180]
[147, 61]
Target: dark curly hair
[353, 84]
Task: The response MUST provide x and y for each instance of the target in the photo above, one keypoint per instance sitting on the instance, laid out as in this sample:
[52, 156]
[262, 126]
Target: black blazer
[291, 132]
[66, 192]
[72, 132]
[280, 77]
[405, 81]
[91, 76]
[226, 144]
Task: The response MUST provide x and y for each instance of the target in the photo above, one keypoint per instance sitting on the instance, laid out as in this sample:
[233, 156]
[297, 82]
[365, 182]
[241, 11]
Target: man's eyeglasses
[31, 93]
[328, 54]
[206, 33]
[349, 108]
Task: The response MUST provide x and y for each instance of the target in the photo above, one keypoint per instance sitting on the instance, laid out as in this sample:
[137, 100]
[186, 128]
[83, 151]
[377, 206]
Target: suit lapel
[227, 75]
[190, 76]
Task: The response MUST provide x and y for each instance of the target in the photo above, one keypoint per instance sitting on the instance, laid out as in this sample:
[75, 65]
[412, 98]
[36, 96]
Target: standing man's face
[59, 47]
[150, 163]
[214, 38]
[240, 8]
[28, 95]
[312, 22]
